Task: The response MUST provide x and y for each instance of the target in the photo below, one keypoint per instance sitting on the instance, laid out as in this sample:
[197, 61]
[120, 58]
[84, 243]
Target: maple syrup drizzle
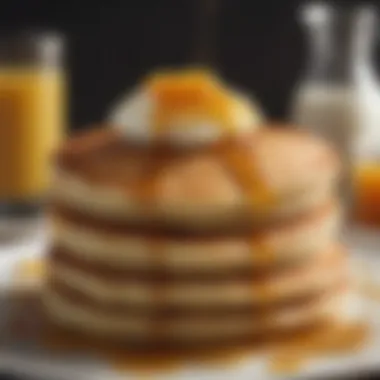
[145, 189]
[239, 160]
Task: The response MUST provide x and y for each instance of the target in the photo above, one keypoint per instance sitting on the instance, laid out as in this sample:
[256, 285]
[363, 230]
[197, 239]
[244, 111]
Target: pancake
[123, 246]
[184, 220]
[160, 310]
[271, 174]
[319, 273]
[338, 307]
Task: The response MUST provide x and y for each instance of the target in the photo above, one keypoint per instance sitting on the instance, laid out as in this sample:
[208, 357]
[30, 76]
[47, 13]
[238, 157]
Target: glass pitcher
[339, 95]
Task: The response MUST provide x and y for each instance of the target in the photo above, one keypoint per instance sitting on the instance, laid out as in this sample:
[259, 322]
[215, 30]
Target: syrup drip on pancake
[194, 93]
[239, 161]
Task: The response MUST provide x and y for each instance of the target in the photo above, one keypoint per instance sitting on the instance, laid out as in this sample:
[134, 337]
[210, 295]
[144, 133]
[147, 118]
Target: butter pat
[184, 108]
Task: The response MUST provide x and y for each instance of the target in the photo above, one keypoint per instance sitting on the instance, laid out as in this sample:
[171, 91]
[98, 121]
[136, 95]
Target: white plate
[29, 359]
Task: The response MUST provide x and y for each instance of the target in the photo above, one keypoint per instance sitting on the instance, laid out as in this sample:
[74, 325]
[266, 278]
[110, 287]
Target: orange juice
[367, 184]
[31, 126]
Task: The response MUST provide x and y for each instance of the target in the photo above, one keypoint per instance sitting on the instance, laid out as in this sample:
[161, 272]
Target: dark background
[257, 45]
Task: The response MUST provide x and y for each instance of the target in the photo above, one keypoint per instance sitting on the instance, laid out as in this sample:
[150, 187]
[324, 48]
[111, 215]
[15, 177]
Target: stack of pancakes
[225, 243]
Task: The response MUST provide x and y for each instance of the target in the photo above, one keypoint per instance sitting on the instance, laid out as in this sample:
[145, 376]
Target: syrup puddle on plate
[326, 342]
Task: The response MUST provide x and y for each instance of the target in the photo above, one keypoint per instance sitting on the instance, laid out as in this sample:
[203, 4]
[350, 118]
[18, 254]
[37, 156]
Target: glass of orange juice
[32, 121]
